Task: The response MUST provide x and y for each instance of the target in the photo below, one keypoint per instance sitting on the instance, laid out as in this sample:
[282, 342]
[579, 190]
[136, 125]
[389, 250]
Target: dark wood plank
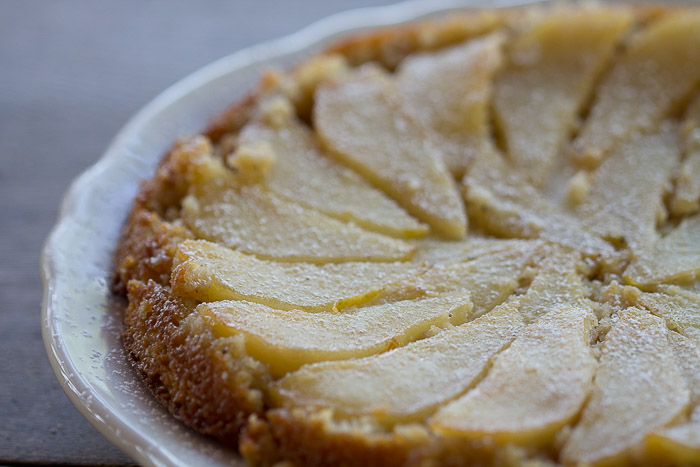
[71, 73]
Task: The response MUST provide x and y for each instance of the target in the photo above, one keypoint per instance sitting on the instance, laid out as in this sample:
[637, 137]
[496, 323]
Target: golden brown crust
[205, 381]
[147, 249]
[148, 242]
[311, 438]
[232, 119]
[314, 437]
[162, 193]
[388, 46]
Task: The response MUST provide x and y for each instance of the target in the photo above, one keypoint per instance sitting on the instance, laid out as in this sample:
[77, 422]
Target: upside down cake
[473, 240]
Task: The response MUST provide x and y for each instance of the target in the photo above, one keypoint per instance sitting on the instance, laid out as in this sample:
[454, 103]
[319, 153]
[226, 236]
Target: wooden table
[71, 74]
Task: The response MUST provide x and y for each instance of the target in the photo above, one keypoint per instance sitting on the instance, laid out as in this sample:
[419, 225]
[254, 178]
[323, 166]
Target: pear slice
[303, 174]
[489, 279]
[676, 445]
[209, 272]
[657, 71]
[687, 355]
[686, 198]
[504, 204]
[449, 92]
[674, 258]
[638, 388]
[286, 340]
[535, 386]
[553, 67]
[360, 122]
[626, 213]
[432, 251]
[249, 218]
[682, 442]
[557, 282]
[680, 310]
[436, 369]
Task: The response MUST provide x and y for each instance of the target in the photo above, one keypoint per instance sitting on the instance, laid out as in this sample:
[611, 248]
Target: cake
[465, 241]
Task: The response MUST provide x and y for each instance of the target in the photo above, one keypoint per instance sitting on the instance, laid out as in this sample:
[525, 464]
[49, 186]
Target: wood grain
[71, 74]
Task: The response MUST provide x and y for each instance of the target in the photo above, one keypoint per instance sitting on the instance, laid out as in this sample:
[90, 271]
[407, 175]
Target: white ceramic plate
[81, 319]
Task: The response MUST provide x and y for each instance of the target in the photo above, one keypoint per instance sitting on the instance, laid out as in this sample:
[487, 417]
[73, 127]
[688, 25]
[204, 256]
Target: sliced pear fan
[627, 213]
[302, 173]
[656, 72]
[553, 66]
[359, 120]
[638, 389]
[449, 92]
[405, 384]
[535, 386]
[327, 259]
[285, 340]
[209, 272]
[251, 219]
